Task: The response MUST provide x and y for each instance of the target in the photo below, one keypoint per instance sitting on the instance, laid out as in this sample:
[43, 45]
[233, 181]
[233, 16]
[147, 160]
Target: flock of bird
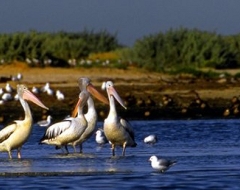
[79, 127]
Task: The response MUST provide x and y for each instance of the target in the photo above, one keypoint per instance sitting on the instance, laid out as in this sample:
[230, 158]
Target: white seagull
[161, 164]
[117, 130]
[45, 123]
[15, 135]
[151, 139]
[100, 137]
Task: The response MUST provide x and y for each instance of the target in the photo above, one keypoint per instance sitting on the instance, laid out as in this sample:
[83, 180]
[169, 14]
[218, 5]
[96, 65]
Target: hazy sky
[129, 19]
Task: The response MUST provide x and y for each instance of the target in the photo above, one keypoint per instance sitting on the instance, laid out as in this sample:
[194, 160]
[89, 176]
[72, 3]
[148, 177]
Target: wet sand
[173, 97]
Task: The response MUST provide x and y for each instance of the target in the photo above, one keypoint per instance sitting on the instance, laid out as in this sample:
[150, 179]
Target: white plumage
[162, 164]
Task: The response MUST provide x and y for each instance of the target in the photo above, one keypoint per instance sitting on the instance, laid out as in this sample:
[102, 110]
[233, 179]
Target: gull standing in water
[161, 164]
[15, 135]
[151, 139]
[45, 123]
[85, 85]
[100, 137]
[117, 130]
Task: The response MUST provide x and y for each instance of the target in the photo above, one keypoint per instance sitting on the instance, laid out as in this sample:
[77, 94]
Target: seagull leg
[113, 149]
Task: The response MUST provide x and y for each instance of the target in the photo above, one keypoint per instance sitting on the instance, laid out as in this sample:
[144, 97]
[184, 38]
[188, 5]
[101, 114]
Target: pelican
[15, 135]
[161, 164]
[45, 123]
[68, 130]
[85, 85]
[117, 130]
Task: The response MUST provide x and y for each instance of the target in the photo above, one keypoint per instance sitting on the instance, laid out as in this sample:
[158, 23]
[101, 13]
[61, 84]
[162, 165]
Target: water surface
[207, 154]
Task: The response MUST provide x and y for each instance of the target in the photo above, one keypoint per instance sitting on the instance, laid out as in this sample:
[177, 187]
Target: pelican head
[25, 94]
[85, 84]
[112, 92]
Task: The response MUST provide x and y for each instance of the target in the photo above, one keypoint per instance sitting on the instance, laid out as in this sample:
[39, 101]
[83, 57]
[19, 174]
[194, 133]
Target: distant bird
[8, 88]
[117, 130]
[161, 164]
[100, 137]
[35, 90]
[7, 96]
[60, 96]
[15, 135]
[151, 139]
[45, 123]
[17, 78]
[46, 88]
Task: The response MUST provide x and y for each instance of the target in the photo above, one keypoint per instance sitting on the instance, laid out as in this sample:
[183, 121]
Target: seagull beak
[113, 92]
[95, 93]
[27, 95]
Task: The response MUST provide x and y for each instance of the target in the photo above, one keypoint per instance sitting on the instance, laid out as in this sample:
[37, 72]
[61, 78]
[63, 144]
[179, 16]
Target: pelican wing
[56, 129]
[127, 127]
[7, 131]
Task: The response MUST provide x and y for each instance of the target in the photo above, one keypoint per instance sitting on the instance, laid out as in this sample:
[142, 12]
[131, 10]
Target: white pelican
[45, 123]
[15, 135]
[151, 139]
[117, 130]
[100, 137]
[161, 164]
[68, 130]
[85, 85]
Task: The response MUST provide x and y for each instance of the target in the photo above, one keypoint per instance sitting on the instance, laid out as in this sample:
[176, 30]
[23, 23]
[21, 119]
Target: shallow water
[206, 151]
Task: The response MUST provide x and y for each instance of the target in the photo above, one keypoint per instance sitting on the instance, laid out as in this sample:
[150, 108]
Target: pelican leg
[81, 149]
[9, 154]
[124, 148]
[74, 148]
[113, 149]
[19, 152]
[66, 148]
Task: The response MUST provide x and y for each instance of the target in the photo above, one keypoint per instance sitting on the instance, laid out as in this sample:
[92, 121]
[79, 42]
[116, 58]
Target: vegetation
[186, 48]
[59, 46]
[176, 51]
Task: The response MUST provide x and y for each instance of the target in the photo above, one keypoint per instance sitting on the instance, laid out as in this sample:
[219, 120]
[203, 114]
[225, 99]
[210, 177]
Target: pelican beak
[27, 95]
[75, 111]
[114, 93]
[95, 93]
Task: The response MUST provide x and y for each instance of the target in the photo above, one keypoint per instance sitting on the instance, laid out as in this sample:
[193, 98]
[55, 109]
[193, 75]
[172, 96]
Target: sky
[129, 20]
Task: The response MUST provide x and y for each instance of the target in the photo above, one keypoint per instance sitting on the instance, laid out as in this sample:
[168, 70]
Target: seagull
[35, 90]
[60, 96]
[8, 88]
[15, 135]
[117, 130]
[45, 123]
[100, 137]
[151, 139]
[162, 164]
